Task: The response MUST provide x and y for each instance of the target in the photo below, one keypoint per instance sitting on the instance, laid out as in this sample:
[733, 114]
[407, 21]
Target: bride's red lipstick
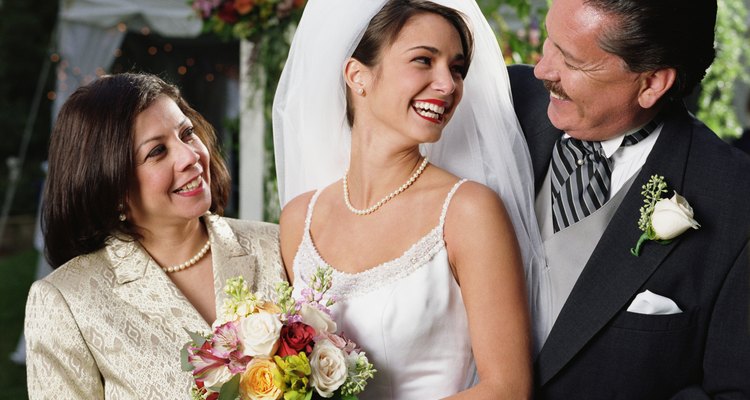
[436, 102]
[440, 103]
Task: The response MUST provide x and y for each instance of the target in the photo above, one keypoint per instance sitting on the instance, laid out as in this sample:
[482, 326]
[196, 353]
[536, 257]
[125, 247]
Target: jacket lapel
[230, 259]
[612, 275]
[140, 282]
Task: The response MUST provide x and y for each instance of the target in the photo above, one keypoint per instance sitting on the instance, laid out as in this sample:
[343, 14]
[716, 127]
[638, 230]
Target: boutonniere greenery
[662, 219]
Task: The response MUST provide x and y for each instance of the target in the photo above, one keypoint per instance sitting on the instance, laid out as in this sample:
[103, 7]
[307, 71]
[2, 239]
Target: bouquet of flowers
[288, 349]
[245, 19]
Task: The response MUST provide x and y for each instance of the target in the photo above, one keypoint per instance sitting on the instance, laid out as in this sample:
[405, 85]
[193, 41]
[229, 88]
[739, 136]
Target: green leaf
[197, 338]
[231, 389]
[186, 366]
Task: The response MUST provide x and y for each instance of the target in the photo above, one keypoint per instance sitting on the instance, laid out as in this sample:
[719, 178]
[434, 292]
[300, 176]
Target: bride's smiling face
[418, 82]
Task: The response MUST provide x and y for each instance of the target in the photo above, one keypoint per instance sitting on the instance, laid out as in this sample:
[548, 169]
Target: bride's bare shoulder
[474, 201]
[295, 210]
[291, 229]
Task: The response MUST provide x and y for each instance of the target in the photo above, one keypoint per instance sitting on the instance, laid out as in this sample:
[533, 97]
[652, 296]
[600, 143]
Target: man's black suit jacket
[598, 350]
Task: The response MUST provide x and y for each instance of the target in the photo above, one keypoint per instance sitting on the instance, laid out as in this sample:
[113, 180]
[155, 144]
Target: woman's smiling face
[418, 81]
[172, 168]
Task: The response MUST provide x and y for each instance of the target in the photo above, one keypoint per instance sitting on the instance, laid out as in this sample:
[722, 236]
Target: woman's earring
[122, 217]
[361, 91]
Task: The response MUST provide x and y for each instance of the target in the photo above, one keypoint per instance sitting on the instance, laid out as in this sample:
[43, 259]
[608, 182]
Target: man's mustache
[556, 88]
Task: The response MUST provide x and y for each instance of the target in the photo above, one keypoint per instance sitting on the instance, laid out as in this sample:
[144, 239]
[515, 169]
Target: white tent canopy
[90, 32]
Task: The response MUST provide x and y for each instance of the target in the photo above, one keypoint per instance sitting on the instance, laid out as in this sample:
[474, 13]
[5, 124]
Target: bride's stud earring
[361, 91]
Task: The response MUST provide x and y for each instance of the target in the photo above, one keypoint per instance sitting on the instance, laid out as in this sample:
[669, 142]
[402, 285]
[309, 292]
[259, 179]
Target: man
[674, 320]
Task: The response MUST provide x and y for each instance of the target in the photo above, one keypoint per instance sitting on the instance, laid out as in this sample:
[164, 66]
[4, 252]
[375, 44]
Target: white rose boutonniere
[662, 219]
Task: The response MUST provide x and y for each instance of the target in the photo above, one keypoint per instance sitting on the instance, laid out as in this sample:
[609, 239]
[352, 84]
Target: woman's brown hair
[91, 162]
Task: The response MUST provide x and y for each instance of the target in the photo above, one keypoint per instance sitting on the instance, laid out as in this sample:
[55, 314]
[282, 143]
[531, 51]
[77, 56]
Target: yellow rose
[261, 381]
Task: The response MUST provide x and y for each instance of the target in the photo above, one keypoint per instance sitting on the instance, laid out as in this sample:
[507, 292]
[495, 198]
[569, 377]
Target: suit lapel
[612, 275]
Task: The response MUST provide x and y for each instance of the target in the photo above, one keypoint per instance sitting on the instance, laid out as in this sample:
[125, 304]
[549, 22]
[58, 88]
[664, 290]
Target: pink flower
[238, 362]
[205, 7]
[225, 340]
[208, 367]
[294, 338]
[203, 359]
[340, 341]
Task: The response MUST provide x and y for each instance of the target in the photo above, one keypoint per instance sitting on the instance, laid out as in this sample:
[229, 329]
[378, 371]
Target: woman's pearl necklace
[189, 263]
[384, 199]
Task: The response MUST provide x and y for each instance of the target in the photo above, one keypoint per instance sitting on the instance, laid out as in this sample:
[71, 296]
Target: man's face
[593, 94]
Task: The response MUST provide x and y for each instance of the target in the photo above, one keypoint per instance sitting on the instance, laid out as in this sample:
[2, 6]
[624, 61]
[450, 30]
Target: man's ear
[654, 86]
[356, 76]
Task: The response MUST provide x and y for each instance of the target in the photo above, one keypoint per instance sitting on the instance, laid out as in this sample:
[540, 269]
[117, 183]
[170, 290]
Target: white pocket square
[653, 304]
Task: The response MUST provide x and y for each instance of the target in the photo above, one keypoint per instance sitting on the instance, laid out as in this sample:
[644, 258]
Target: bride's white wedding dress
[407, 314]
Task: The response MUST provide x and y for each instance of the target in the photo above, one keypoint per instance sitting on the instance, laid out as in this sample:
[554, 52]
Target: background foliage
[519, 27]
[716, 102]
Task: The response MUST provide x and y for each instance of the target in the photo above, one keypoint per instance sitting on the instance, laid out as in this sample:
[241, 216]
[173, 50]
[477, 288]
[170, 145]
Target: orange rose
[244, 6]
[261, 380]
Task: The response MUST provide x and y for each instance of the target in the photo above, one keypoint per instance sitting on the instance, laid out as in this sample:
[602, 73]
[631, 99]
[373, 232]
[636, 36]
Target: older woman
[131, 218]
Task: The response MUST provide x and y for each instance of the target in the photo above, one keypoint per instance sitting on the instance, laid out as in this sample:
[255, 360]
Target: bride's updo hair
[386, 25]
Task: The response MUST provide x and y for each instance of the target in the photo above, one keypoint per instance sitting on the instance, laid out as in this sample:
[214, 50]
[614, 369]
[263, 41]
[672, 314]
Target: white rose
[259, 334]
[328, 364]
[217, 376]
[316, 318]
[672, 217]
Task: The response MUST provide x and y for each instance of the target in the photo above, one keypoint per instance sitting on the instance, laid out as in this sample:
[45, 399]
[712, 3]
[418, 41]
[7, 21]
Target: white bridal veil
[482, 142]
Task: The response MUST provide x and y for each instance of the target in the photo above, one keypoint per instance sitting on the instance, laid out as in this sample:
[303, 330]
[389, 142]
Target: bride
[426, 266]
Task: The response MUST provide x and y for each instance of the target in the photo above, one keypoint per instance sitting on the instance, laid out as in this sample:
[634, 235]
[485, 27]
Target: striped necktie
[581, 176]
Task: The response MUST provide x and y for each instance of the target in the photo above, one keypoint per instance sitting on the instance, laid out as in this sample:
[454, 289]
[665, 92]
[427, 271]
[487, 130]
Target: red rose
[212, 396]
[228, 13]
[294, 338]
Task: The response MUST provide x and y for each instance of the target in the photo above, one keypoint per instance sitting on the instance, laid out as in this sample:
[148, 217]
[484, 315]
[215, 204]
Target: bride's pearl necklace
[189, 263]
[382, 201]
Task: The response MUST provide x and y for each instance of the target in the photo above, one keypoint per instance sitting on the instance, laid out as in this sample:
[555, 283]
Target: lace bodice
[407, 314]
